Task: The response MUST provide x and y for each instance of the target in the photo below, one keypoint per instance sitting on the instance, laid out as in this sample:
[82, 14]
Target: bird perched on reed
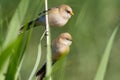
[60, 48]
[57, 17]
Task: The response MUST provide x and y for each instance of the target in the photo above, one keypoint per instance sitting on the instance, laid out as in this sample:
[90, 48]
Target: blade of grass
[1, 29]
[58, 64]
[81, 14]
[13, 65]
[12, 33]
[17, 58]
[48, 41]
[15, 22]
[5, 57]
[38, 58]
[103, 64]
[22, 55]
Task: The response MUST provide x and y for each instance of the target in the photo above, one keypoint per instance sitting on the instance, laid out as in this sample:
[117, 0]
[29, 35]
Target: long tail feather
[28, 26]
[42, 72]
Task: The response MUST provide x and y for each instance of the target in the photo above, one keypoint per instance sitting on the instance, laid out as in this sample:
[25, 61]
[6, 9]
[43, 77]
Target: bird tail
[27, 26]
[41, 72]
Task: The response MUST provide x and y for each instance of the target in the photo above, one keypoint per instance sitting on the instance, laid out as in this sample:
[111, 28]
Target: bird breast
[57, 20]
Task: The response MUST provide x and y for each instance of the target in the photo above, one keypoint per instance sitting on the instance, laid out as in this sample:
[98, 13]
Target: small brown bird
[60, 48]
[57, 17]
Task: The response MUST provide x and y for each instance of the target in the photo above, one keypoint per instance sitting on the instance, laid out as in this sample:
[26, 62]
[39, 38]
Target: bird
[60, 48]
[57, 17]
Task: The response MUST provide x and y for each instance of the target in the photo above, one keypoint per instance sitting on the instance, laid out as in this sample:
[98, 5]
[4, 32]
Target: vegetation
[94, 52]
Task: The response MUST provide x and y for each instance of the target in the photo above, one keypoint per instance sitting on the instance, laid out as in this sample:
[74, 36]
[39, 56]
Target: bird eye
[67, 11]
[68, 39]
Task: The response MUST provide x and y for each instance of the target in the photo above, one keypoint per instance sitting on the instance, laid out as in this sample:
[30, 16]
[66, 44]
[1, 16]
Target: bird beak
[72, 13]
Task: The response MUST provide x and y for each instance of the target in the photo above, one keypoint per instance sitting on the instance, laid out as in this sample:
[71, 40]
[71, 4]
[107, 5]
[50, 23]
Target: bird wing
[43, 12]
[50, 9]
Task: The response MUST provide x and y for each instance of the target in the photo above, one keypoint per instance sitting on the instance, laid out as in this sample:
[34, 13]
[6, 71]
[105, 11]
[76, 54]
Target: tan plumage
[60, 48]
[57, 17]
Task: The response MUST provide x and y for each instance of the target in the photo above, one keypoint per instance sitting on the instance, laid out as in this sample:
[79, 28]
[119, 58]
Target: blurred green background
[90, 27]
